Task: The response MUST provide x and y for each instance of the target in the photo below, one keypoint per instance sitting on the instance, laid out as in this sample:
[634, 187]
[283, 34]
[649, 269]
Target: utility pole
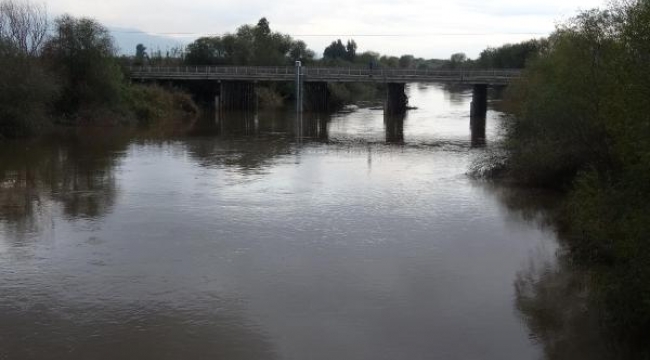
[299, 89]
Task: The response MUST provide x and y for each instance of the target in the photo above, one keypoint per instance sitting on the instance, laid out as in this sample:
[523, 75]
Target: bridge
[363, 75]
[236, 83]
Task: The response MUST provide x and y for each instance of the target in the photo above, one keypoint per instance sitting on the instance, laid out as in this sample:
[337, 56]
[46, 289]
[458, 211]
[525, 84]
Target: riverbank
[580, 124]
[71, 77]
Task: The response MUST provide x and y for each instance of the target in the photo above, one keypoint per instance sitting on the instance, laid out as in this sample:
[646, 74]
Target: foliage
[336, 50]
[268, 97]
[26, 93]
[511, 56]
[155, 104]
[140, 54]
[581, 121]
[23, 25]
[82, 52]
[457, 60]
[560, 126]
[26, 90]
[407, 61]
[250, 45]
[71, 76]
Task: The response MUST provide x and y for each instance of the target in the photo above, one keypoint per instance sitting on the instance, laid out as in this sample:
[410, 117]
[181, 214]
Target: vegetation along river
[269, 237]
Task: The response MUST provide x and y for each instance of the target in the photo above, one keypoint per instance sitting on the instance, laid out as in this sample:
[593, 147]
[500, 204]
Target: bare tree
[23, 25]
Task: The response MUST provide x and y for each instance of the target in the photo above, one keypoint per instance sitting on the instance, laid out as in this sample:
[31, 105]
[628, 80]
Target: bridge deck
[258, 73]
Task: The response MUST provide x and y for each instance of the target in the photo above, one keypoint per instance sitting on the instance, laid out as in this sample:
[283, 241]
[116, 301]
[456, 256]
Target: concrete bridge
[236, 83]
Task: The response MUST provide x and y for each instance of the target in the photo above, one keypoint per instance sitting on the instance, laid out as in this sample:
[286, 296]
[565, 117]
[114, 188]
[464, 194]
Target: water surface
[265, 236]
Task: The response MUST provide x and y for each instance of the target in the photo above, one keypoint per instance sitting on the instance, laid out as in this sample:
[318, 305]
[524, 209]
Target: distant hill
[127, 39]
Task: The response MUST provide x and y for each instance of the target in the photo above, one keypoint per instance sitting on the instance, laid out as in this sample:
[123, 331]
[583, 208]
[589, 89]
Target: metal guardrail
[497, 76]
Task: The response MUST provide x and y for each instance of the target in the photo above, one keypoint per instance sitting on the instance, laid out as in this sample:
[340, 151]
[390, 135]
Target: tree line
[69, 75]
[259, 45]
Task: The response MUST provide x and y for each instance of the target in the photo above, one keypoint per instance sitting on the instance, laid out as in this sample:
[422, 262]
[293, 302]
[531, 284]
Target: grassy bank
[580, 123]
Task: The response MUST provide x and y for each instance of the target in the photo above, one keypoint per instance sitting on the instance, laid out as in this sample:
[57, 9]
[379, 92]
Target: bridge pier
[396, 100]
[394, 126]
[477, 128]
[316, 96]
[479, 101]
[236, 95]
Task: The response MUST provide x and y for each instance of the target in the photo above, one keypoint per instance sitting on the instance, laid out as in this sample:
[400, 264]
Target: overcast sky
[424, 28]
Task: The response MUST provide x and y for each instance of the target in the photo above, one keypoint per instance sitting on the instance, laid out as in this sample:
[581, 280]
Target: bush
[152, 103]
[269, 98]
[582, 121]
[26, 95]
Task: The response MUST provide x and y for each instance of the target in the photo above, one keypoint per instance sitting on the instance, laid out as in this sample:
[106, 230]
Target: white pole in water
[298, 86]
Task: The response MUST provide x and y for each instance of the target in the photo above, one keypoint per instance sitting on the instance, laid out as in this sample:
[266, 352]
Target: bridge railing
[227, 70]
[322, 72]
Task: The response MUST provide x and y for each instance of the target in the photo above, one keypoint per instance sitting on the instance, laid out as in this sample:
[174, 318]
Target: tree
[299, 51]
[511, 56]
[26, 89]
[206, 51]
[336, 50]
[250, 45]
[406, 61]
[82, 52]
[389, 61]
[367, 58]
[140, 54]
[263, 29]
[23, 25]
[457, 60]
[351, 50]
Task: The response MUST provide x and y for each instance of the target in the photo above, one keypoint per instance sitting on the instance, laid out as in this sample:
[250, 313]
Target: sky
[424, 28]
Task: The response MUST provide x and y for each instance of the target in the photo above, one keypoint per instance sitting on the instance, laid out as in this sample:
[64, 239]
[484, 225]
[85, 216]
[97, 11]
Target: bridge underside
[316, 97]
[229, 95]
[236, 95]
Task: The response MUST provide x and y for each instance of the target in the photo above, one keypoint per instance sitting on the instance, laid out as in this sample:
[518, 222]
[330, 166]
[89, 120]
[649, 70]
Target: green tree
[511, 56]
[299, 51]
[406, 61]
[457, 60]
[250, 45]
[336, 50]
[389, 61]
[351, 50]
[140, 54]
[82, 52]
[206, 51]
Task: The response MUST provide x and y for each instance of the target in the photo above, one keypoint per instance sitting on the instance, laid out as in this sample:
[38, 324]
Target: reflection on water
[266, 235]
[78, 176]
[553, 299]
[552, 295]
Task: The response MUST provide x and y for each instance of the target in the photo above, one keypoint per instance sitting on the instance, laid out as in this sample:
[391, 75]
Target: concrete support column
[316, 96]
[394, 126]
[237, 95]
[479, 101]
[396, 100]
[477, 127]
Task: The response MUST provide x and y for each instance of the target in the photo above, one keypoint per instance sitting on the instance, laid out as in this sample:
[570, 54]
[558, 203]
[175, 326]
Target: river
[266, 237]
